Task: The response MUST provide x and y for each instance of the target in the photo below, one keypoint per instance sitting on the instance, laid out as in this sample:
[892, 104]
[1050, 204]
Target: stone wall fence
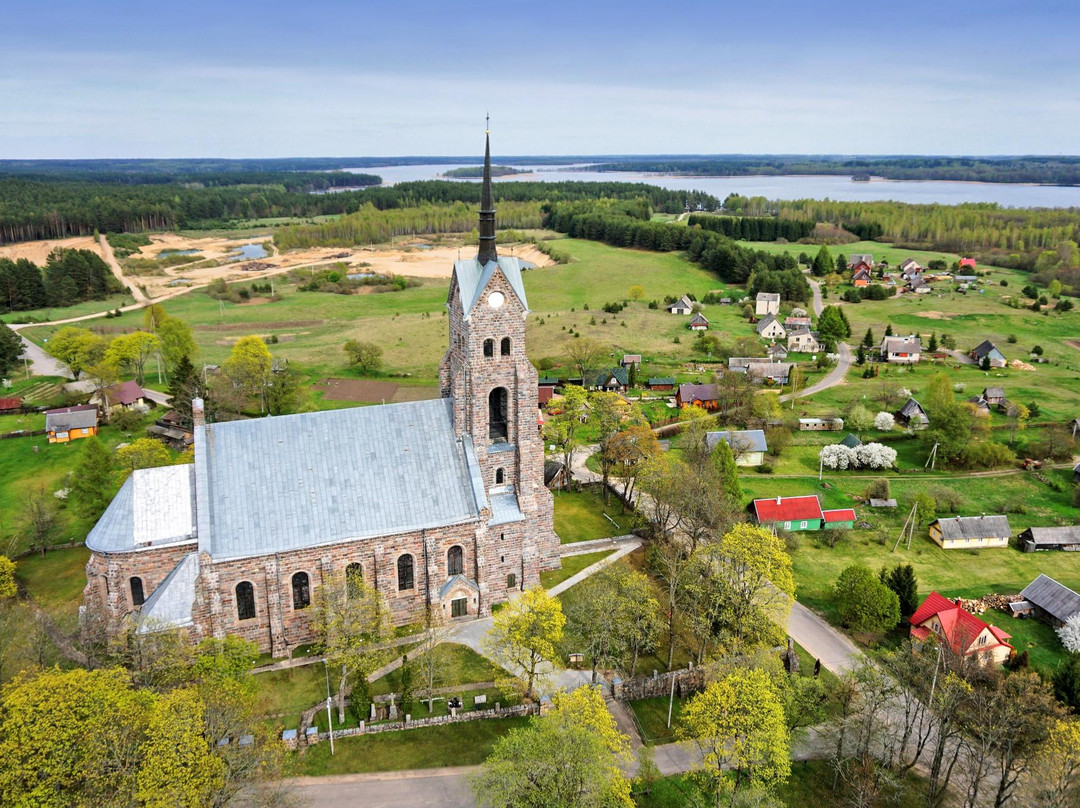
[687, 681]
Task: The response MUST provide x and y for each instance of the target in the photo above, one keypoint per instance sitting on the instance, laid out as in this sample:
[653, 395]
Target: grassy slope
[571, 566]
[579, 516]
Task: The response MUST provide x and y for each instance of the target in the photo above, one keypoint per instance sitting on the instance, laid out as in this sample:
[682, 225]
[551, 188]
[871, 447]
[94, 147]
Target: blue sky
[96, 78]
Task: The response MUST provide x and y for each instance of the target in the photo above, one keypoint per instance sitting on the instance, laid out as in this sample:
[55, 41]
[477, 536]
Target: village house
[747, 445]
[909, 266]
[860, 259]
[767, 303]
[901, 350]
[971, 532]
[796, 322]
[66, 424]
[777, 352]
[862, 276]
[771, 328]
[993, 395]
[838, 519]
[684, 305]
[699, 322]
[1064, 537]
[706, 396]
[173, 430]
[662, 383]
[967, 263]
[979, 406]
[912, 415]
[961, 632]
[631, 359]
[1049, 601]
[739, 364]
[125, 395]
[789, 513]
[987, 349]
[919, 286]
[440, 505]
[10, 405]
[555, 475]
[803, 340]
[611, 380]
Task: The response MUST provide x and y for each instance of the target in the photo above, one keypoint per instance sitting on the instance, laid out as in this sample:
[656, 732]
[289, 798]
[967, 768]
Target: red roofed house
[10, 405]
[861, 276]
[839, 519]
[964, 633]
[127, 394]
[789, 513]
[968, 263]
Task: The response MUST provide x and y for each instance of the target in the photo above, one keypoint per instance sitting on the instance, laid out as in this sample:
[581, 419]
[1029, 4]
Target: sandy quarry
[38, 251]
[437, 262]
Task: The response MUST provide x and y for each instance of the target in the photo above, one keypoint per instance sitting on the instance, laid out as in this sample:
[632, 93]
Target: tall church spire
[487, 209]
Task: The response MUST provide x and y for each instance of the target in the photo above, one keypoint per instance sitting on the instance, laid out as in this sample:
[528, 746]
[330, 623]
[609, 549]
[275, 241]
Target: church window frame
[489, 348]
[499, 415]
[406, 572]
[138, 594]
[354, 578]
[245, 600]
[504, 346]
[511, 581]
[301, 590]
[455, 561]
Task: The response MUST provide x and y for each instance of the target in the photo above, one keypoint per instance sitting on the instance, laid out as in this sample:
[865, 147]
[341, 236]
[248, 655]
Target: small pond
[246, 252]
[165, 253]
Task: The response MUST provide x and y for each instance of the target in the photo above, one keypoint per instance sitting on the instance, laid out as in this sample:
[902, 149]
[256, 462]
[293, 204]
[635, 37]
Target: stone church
[439, 504]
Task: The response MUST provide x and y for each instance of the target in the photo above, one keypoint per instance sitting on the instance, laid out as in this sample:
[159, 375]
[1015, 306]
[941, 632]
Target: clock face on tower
[496, 299]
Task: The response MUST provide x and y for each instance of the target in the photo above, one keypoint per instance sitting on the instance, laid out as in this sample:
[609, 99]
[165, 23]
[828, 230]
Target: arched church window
[405, 573]
[500, 476]
[301, 591]
[489, 347]
[245, 601]
[354, 579]
[137, 598]
[498, 401]
[454, 562]
[504, 347]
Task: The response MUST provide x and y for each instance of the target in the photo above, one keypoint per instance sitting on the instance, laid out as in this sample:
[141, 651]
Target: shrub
[864, 602]
[946, 499]
[986, 455]
[878, 489]
[884, 421]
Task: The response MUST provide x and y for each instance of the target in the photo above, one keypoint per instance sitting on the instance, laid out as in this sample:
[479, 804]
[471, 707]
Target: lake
[787, 187]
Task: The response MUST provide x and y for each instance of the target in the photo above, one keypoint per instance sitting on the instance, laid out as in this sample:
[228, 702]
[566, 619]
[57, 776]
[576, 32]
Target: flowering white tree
[1069, 634]
[839, 457]
[875, 456]
[903, 392]
[884, 422]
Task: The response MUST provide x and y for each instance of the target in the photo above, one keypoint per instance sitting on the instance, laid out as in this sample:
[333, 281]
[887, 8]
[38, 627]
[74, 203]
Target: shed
[699, 322]
[1053, 602]
[851, 441]
[684, 305]
[882, 503]
[10, 405]
[631, 359]
[821, 424]
[662, 383]
[987, 350]
[1050, 538]
[555, 475]
[971, 532]
[913, 415]
[839, 519]
[993, 395]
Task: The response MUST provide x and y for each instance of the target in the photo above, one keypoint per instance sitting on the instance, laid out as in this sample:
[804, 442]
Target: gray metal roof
[1053, 598]
[909, 344]
[769, 296]
[768, 320]
[504, 508]
[912, 407]
[276, 484]
[974, 527]
[1066, 534]
[994, 392]
[748, 440]
[851, 441]
[82, 416]
[170, 604]
[473, 278]
[154, 507]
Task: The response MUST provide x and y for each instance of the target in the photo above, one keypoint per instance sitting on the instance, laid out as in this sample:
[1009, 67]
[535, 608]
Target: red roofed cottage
[962, 632]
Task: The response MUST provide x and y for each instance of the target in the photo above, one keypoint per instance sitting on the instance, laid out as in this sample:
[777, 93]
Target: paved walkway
[596, 545]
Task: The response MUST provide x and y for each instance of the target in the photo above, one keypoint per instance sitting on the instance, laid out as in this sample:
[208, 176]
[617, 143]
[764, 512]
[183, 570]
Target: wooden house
[10, 405]
[993, 395]
[706, 396]
[555, 475]
[912, 415]
[789, 513]
[838, 519]
[861, 276]
[684, 305]
[662, 383]
[699, 322]
[1050, 601]
[66, 424]
[987, 349]
[959, 630]
[612, 380]
[971, 532]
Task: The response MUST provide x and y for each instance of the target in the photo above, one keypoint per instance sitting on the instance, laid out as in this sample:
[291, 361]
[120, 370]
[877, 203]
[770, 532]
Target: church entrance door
[459, 607]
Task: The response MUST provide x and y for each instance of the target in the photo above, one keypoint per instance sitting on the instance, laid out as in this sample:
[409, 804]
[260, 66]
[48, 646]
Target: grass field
[63, 313]
[55, 582]
[571, 566]
[1034, 636]
[465, 744]
[579, 516]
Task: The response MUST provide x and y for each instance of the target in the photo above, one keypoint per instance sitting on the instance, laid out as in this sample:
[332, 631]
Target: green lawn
[651, 715]
[1034, 636]
[26, 421]
[579, 516]
[78, 310]
[571, 565]
[465, 744]
[55, 582]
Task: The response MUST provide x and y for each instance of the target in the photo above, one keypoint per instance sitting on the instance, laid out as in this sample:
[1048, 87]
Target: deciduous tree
[248, 367]
[366, 356]
[525, 636]
[864, 602]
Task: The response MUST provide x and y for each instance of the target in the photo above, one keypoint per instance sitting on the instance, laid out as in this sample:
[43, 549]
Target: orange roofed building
[961, 631]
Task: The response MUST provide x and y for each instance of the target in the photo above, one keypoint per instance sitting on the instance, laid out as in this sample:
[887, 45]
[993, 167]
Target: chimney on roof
[198, 412]
[778, 500]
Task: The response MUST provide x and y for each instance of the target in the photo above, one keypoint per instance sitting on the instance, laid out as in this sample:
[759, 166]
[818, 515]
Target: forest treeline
[38, 208]
[68, 277]
[625, 223]
[369, 225]
[1047, 170]
[753, 228]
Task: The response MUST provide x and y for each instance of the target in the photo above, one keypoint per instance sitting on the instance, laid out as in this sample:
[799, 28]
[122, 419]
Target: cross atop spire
[487, 207]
